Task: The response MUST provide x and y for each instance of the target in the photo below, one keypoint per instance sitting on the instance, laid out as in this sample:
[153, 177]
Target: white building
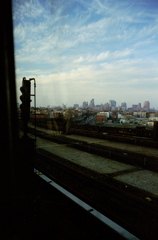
[153, 119]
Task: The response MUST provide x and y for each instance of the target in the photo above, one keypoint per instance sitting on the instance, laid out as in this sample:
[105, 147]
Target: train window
[84, 54]
[92, 70]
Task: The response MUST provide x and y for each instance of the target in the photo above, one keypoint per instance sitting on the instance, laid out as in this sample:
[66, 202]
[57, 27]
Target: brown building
[146, 106]
[100, 118]
[38, 116]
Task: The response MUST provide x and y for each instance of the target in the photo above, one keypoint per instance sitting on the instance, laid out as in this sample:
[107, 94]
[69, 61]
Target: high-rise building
[112, 104]
[146, 106]
[106, 106]
[91, 104]
[134, 106]
[124, 105]
[85, 104]
[76, 105]
[139, 106]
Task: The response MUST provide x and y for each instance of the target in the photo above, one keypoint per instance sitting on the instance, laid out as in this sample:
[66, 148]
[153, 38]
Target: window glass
[83, 50]
[93, 68]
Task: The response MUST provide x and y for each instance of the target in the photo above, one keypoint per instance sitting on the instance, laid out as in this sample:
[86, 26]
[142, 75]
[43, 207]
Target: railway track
[134, 158]
[126, 208]
[119, 136]
[126, 205]
[139, 135]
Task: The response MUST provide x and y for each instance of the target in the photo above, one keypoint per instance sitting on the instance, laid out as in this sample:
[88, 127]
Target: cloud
[103, 56]
[27, 9]
[78, 49]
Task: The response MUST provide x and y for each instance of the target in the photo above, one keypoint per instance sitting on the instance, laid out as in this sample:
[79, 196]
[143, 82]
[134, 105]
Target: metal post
[34, 95]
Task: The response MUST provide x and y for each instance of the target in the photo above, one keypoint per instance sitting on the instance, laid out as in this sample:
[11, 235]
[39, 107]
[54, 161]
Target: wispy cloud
[103, 56]
[27, 9]
[90, 46]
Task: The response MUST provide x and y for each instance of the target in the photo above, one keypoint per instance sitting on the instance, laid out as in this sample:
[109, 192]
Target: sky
[83, 49]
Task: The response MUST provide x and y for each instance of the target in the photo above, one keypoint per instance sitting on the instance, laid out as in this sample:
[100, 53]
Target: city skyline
[112, 106]
[79, 49]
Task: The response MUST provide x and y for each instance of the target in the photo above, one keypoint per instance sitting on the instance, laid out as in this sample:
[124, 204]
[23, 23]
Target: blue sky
[78, 50]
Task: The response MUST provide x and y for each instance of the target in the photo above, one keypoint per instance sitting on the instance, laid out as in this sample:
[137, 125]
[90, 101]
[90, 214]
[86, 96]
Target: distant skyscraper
[124, 105]
[85, 105]
[91, 104]
[134, 106]
[146, 106]
[112, 104]
[106, 106]
[139, 106]
[76, 105]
